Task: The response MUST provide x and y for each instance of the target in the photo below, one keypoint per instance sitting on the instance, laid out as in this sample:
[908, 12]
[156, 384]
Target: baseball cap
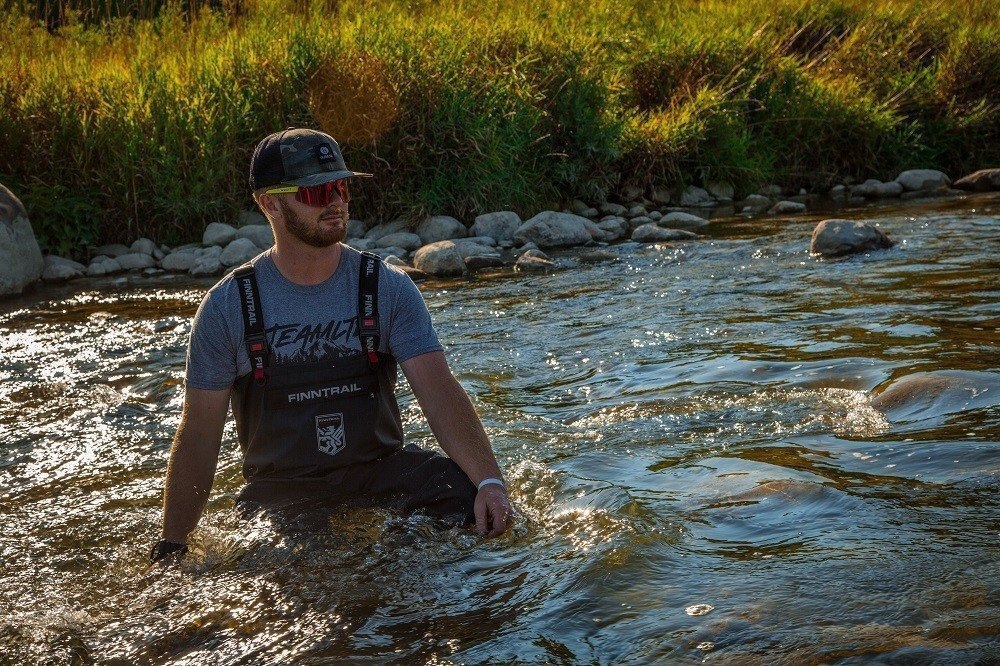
[298, 156]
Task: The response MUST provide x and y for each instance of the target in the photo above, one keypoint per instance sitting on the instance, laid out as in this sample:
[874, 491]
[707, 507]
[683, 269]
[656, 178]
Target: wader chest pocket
[319, 392]
[306, 424]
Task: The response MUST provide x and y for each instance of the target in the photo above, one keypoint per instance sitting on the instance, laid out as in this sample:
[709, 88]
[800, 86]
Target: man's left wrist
[490, 482]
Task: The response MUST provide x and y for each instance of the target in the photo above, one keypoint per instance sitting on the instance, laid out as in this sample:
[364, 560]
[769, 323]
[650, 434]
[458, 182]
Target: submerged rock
[532, 263]
[836, 238]
[651, 233]
[787, 208]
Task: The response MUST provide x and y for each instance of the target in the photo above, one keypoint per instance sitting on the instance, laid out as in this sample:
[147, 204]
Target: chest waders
[307, 420]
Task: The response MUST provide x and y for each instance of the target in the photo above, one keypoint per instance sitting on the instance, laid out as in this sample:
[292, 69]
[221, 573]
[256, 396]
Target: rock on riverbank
[500, 238]
[21, 261]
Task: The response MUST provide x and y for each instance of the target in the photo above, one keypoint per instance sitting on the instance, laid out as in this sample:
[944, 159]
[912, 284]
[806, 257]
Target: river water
[686, 429]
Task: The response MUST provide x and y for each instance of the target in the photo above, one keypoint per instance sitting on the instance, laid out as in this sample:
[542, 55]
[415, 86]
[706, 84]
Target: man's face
[317, 227]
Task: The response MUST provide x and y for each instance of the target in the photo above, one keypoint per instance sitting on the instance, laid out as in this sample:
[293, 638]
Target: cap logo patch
[324, 154]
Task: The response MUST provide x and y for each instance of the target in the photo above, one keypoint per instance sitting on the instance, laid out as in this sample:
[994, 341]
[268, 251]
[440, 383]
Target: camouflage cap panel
[307, 153]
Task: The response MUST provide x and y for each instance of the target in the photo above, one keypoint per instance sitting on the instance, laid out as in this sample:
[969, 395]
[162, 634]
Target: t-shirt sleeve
[211, 355]
[411, 332]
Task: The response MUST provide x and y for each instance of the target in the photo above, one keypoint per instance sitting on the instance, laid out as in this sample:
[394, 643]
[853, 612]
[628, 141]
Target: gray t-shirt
[304, 323]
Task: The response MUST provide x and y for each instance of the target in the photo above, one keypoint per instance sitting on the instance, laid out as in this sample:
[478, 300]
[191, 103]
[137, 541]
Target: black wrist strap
[163, 548]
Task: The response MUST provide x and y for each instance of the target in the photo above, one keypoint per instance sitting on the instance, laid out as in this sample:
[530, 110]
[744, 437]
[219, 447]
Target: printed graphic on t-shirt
[309, 343]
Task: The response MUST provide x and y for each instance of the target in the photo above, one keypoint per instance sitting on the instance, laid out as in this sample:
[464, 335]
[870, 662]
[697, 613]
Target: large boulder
[102, 265]
[614, 226]
[218, 233]
[720, 190]
[380, 230]
[474, 249]
[501, 225]
[756, 203]
[180, 261]
[403, 239]
[58, 269]
[440, 227]
[145, 246]
[251, 217]
[113, 250]
[355, 228]
[260, 235]
[984, 180]
[695, 196]
[21, 262]
[922, 179]
[239, 251]
[835, 238]
[554, 229]
[441, 258]
[615, 209]
[135, 260]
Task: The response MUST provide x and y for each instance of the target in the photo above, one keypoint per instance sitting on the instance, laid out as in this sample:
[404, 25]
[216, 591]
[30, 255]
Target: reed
[139, 120]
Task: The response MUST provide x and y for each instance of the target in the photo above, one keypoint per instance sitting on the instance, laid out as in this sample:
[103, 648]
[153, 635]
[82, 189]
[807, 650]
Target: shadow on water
[719, 450]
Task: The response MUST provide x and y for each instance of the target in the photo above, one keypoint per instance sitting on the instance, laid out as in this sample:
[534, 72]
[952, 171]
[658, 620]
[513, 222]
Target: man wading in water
[304, 339]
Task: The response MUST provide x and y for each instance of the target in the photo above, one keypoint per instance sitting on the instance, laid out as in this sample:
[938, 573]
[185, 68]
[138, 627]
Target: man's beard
[314, 235]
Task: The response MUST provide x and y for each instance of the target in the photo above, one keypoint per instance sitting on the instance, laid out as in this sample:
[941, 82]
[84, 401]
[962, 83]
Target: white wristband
[486, 482]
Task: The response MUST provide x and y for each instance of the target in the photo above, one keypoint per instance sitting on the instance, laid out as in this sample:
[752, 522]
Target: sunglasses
[316, 195]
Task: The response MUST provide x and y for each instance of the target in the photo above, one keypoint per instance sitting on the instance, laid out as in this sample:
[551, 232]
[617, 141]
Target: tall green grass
[115, 127]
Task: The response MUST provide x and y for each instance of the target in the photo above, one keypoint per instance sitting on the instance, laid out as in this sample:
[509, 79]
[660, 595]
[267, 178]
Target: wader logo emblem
[330, 433]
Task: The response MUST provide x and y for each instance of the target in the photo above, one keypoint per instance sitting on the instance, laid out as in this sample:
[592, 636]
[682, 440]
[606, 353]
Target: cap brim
[326, 177]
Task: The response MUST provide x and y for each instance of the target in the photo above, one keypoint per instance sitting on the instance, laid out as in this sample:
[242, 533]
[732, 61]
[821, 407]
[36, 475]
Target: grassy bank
[131, 128]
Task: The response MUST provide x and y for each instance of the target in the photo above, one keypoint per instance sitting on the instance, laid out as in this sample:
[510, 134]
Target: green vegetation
[115, 127]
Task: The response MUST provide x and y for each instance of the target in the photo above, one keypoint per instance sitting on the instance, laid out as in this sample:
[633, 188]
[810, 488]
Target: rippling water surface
[690, 442]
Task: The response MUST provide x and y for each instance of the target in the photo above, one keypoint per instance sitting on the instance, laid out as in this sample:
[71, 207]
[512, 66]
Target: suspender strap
[253, 322]
[368, 306]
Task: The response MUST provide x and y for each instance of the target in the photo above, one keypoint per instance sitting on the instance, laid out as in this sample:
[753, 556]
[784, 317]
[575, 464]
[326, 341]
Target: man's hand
[164, 553]
[493, 510]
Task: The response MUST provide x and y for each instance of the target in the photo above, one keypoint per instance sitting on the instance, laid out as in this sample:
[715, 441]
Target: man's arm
[455, 423]
[193, 459]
